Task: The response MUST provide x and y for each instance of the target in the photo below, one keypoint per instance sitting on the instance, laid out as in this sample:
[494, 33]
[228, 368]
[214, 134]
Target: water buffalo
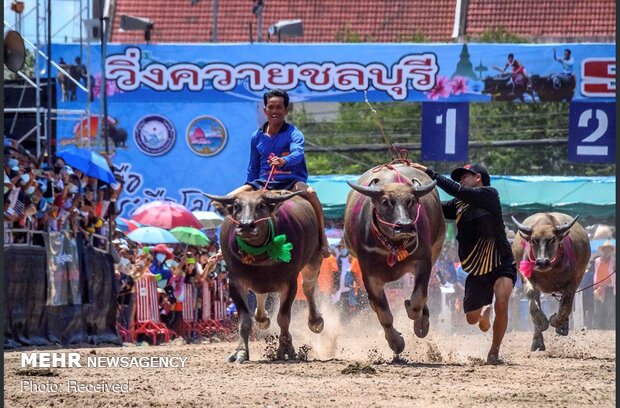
[394, 225]
[554, 88]
[553, 250]
[254, 237]
[504, 88]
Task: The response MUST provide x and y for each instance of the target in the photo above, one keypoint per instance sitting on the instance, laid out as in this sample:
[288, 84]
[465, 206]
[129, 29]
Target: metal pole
[80, 21]
[37, 78]
[48, 134]
[103, 93]
[260, 27]
[214, 34]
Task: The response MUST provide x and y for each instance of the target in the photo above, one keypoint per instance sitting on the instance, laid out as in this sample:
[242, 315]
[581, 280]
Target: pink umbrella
[165, 214]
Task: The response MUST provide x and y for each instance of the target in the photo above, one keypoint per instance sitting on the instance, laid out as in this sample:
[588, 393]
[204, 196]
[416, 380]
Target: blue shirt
[287, 144]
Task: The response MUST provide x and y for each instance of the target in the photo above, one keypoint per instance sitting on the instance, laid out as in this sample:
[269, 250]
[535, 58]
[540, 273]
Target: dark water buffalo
[554, 88]
[552, 251]
[504, 88]
[394, 225]
[250, 216]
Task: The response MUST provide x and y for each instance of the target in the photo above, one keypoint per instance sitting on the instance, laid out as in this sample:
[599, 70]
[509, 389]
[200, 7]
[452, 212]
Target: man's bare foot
[493, 359]
[485, 318]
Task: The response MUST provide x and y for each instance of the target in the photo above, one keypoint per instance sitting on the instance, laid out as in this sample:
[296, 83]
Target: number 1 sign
[592, 132]
[445, 128]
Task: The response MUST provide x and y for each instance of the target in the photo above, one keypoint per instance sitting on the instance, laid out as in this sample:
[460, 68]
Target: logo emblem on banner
[154, 135]
[206, 136]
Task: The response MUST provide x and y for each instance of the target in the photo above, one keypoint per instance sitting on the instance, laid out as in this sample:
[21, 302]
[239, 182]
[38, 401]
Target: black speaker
[19, 94]
[14, 51]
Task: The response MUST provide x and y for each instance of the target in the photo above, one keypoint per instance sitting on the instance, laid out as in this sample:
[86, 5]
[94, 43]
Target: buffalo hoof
[422, 325]
[316, 326]
[555, 321]
[286, 352]
[412, 313]
[538, 344]
[540, 321]
[562, 330]
[263, 325]
[396, 343]
[239, 356]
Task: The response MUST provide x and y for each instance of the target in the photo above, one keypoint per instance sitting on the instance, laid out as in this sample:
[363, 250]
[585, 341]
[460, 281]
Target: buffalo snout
[404, 227]
[247, 225]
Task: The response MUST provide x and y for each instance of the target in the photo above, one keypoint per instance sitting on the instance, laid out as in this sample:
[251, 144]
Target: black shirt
[481, 233]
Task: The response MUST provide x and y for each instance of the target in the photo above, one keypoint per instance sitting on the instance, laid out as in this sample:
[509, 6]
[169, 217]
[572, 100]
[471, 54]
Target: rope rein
[382, 221]
[596, 283]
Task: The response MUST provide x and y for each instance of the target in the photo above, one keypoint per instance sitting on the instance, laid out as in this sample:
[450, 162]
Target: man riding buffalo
[279, 144]
[270, 236]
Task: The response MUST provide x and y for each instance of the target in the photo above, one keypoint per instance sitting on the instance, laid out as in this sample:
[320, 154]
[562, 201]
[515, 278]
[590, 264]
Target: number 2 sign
[445, 128]
[592, 132]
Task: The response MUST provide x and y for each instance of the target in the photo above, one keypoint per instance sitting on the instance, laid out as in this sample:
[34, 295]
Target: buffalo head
[544, 238]
[250, 211]
[396, 205]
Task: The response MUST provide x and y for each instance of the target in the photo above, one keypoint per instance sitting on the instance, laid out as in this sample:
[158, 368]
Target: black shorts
[273, 184]
[479, 288]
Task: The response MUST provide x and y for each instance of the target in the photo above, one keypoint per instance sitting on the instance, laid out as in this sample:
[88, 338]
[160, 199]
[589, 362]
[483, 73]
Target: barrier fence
[32, 319]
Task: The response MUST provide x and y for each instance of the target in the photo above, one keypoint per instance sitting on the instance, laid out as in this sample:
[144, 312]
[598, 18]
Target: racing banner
[180, 116]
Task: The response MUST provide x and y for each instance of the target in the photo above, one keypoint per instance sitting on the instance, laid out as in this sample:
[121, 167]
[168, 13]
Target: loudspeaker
[14, 51]
[23, 122]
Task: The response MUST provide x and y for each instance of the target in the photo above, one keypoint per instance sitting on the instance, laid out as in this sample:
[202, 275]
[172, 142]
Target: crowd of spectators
[44, 198]
[173, 267]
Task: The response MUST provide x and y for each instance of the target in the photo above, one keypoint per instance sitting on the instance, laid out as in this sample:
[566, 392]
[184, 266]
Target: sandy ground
[443, 369]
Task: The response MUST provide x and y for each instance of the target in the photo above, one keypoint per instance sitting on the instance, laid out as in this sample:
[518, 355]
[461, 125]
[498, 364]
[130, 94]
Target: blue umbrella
[152, 235]
[90, 163]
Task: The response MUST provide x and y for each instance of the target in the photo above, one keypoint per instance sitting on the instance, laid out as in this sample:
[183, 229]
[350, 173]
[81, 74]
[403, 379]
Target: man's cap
[473, 169]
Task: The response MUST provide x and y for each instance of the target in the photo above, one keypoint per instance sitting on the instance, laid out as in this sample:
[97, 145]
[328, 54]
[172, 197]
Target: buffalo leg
[416, 307]
[310, 274]
[560, 320]
[261, 317]
[539, 319]
[285, 348]
[379, 303]
[242, 352]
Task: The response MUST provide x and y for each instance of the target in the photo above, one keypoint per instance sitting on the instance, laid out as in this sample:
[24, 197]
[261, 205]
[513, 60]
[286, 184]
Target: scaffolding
[45, 114]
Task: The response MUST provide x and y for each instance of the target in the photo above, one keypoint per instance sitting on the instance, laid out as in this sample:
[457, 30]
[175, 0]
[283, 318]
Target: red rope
[273, 168]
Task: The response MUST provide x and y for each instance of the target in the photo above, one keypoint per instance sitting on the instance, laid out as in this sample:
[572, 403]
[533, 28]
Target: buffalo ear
[222, 204]
[222, 209]
[524, 231]
[564, 229]
[372, 192]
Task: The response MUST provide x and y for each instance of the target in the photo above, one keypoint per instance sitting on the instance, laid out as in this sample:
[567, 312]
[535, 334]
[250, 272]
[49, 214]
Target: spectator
[605, 287]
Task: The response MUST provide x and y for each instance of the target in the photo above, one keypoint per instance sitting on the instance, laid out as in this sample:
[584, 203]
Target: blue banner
[180, 115]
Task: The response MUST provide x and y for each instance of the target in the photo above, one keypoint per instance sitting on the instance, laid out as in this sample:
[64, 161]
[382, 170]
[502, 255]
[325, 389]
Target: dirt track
[441, 370]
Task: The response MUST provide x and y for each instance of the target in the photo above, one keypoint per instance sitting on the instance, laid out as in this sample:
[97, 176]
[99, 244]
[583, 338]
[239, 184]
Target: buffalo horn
[220, 199]
[424, 189]
[524, 229]
[274, 199]
[562, 229]
[372, 192]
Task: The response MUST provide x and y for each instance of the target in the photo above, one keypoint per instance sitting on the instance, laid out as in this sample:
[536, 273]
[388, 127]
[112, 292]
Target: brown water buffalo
[394, 225]
[255, 220]
[552, 251]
